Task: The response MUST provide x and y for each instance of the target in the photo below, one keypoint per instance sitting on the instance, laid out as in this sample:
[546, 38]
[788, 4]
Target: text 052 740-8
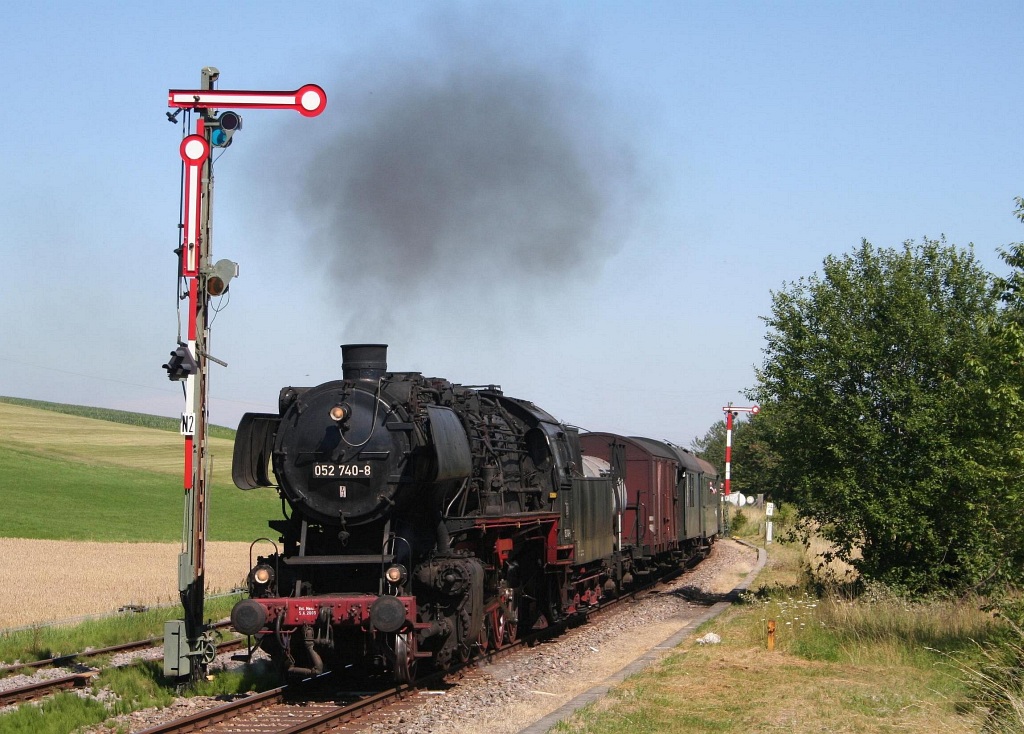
[341, 470]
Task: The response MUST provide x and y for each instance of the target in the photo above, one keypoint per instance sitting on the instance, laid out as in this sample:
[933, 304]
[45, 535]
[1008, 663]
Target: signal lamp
[220, 276]
[230, 121]
[224, 127]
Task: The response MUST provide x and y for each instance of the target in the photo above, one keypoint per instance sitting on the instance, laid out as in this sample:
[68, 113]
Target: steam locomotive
[424, 521]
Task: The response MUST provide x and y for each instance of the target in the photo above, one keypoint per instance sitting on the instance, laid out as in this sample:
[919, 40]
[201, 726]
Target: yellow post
[771, 635]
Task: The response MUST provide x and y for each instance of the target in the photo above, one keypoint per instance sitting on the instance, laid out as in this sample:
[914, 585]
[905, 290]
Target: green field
[67, 476]
[115, 416]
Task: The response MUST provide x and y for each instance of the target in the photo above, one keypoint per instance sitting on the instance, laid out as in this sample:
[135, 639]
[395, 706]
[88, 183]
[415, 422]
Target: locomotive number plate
[341, 470]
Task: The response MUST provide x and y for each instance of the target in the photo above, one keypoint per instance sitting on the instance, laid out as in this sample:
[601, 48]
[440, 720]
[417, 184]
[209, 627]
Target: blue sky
[718, 150]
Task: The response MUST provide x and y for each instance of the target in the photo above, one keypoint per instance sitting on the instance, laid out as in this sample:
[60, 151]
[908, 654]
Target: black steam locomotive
[427, 520]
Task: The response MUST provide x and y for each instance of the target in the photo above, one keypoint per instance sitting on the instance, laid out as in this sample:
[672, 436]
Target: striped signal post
[188, 643]
[731, 411]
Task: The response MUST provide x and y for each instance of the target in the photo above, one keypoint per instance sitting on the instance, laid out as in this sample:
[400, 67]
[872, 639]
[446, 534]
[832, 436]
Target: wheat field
[50, 580]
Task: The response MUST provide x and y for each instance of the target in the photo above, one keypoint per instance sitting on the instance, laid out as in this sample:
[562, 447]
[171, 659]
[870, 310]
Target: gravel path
[509, 696]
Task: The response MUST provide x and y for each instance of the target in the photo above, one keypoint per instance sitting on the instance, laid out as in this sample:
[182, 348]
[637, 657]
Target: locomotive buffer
[188, 643]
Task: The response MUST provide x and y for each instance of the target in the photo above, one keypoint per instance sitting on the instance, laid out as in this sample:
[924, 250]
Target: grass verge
[42, 643]
[839, 664]
[117, 692]
[59, 714]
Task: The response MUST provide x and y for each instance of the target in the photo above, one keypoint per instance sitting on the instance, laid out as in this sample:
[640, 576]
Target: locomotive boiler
[421, 520]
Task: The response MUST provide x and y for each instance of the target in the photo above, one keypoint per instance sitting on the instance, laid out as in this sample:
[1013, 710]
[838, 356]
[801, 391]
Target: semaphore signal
[308, 101]
[188, 644]
[730, 412]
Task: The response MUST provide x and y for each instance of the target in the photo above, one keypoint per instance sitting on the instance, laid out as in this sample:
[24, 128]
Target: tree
[1002, 371]
[876, 398]
[711, 446]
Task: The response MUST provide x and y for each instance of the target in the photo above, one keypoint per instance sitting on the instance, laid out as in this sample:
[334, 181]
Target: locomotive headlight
[396, 575]
[262, 575]
[339, 413]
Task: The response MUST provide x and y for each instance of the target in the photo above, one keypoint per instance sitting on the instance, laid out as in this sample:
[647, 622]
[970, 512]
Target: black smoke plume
[462, 181]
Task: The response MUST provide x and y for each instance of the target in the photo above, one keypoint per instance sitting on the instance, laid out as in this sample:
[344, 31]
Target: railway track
[77, 657]
[279, 713]
[44, 688]
[294, 710]
[39, 689]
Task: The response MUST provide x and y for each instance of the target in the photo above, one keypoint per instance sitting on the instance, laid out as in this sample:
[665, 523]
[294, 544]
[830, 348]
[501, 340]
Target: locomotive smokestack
[364, 361]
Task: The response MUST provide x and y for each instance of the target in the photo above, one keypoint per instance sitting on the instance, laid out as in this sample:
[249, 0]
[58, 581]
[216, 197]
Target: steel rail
[38, 689]
[112, 649]
[224, 712]
[330, 720]
[44, 688]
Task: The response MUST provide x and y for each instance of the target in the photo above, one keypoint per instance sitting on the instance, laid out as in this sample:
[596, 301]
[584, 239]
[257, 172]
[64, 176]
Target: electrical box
[177, 663]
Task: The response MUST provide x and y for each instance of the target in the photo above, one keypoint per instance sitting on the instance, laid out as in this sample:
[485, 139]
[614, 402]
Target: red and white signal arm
[753, 410]
[309, 100]
[194, 152]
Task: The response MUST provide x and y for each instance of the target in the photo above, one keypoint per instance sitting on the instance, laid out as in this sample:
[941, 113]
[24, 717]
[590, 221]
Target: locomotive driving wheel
[483, 635]
[502, 626]
[505, 620]
[496, 627]
[405, 657]
[511, 627]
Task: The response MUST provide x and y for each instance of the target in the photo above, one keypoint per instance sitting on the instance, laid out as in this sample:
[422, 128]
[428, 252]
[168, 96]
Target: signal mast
[730, 412]
[188, 643]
